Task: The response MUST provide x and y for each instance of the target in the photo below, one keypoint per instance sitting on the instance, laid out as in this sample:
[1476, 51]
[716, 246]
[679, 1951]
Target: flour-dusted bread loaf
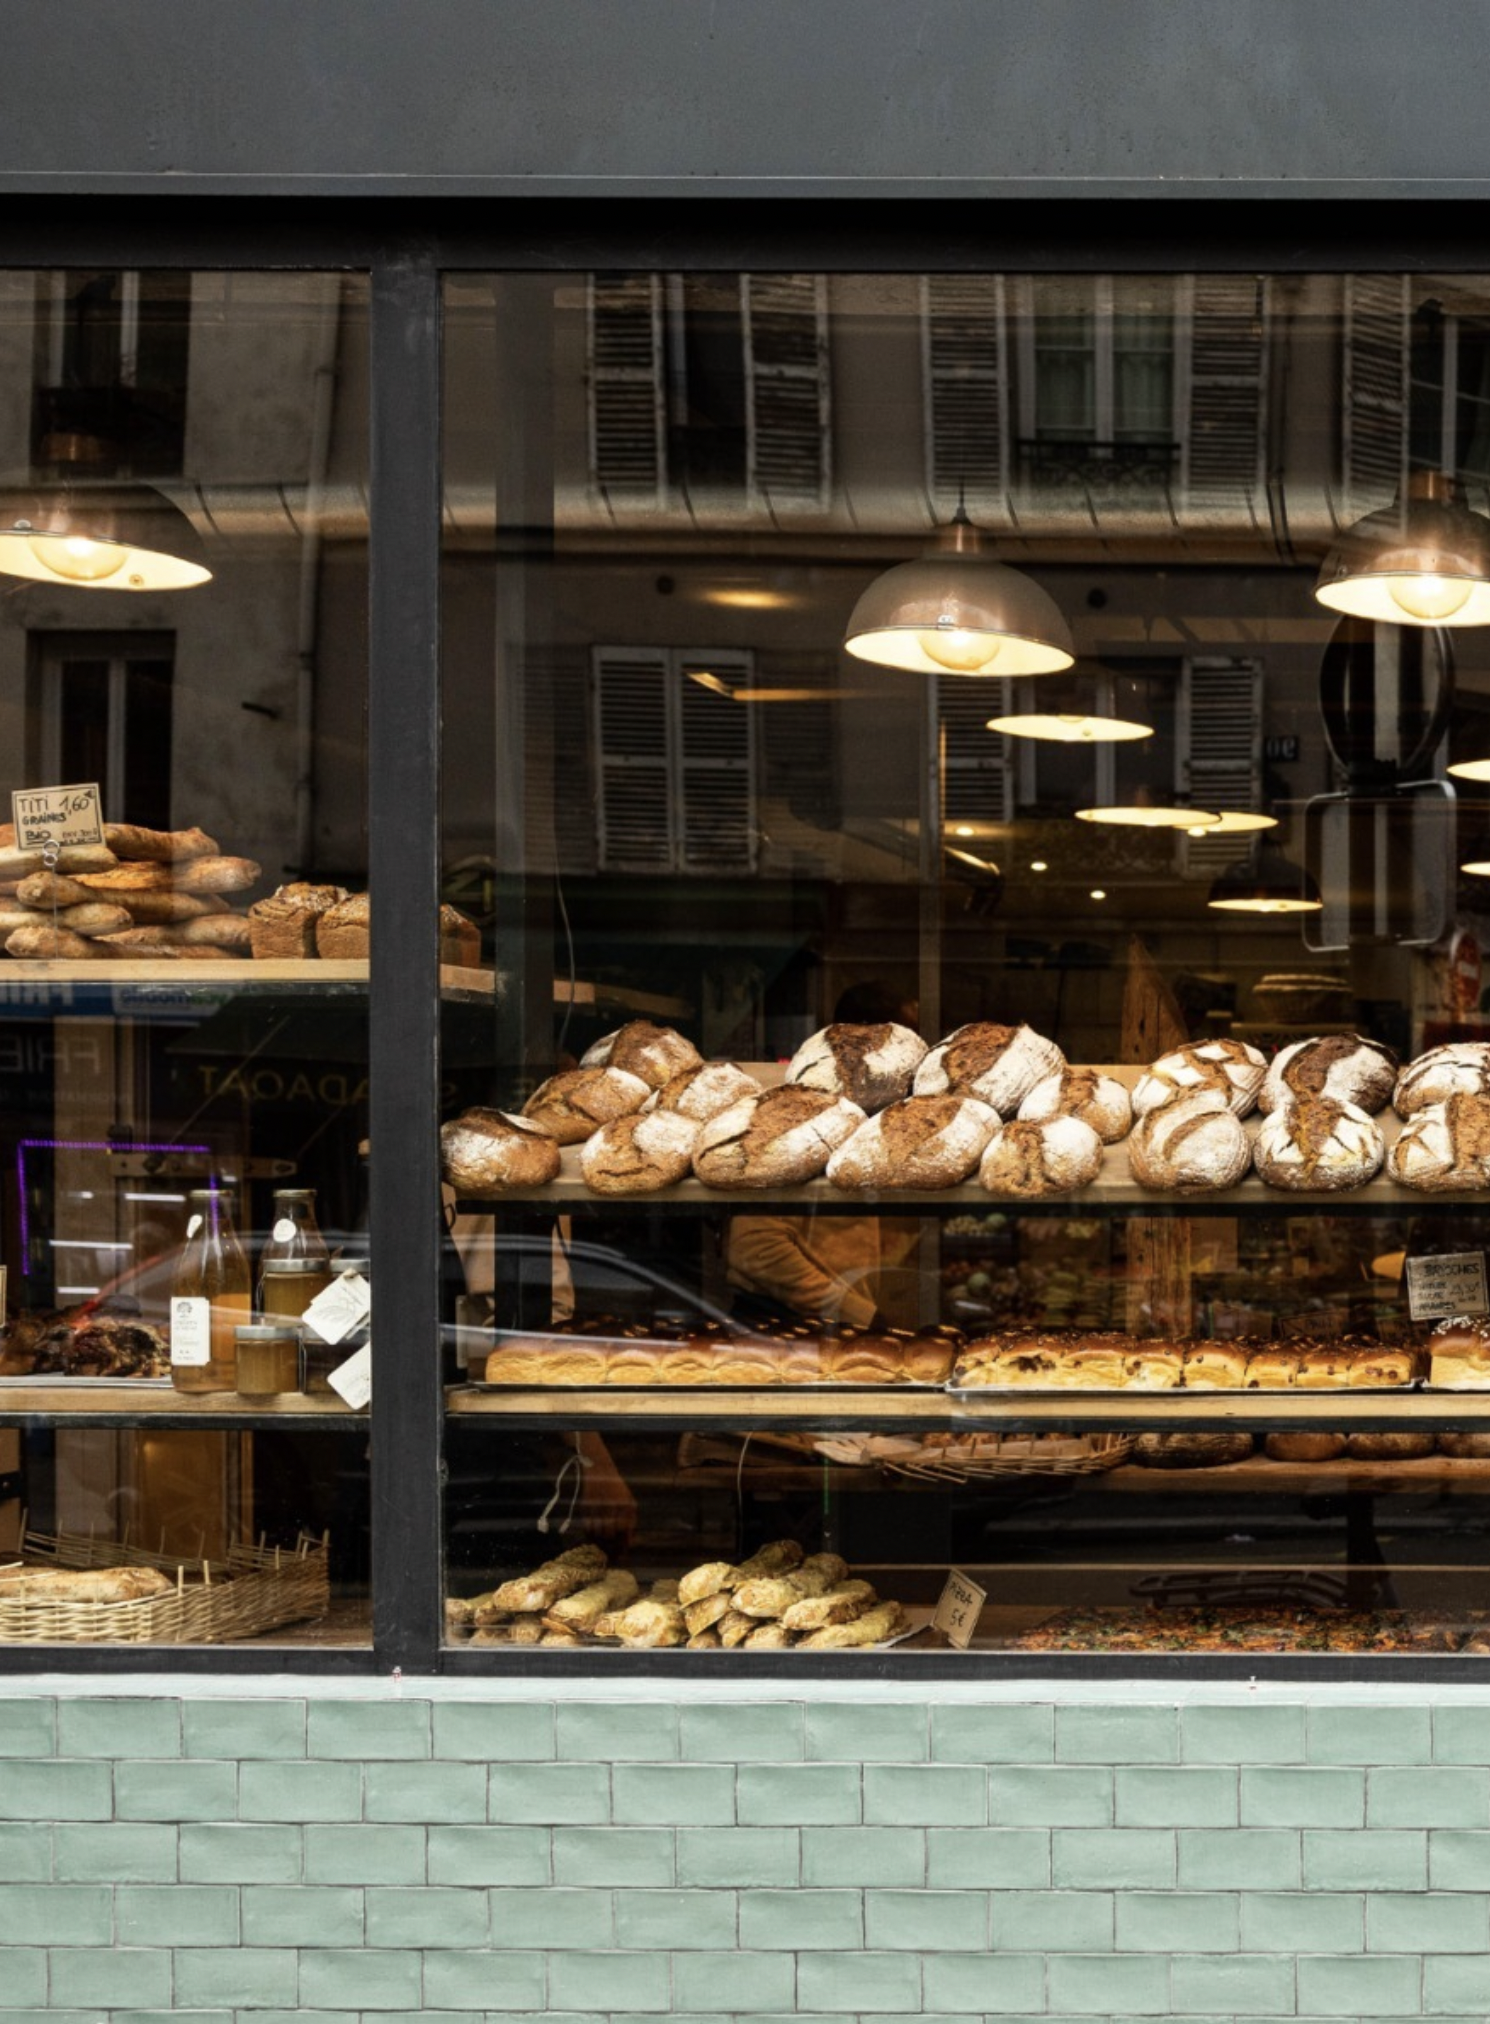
[1315, 1142]
[1460, 1068]
[217, 875]
[1192, 1143]
[919, 1142]
[655, 1053]
[285, 923]
[640, 1154]
[777, 1139]
[485, 1151]
[48, 889]
[871, 1065]
[1230, 1066]
[1444, 1146]
[160, 907]
[576, 1103]
[999, 1065]
[1098, 1100]
[161, 846]
[45, 944]
[1345, 1066]
[702, 1092]
[1040, 1156]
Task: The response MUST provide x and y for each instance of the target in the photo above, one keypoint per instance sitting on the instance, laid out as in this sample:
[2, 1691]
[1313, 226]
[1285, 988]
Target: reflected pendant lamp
[1265, 883]
[98, 534]
[955, 611]
[1424, 560]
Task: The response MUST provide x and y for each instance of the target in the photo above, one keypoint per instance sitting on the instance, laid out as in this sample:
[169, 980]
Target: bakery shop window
[999, 1094]
[184, 1255]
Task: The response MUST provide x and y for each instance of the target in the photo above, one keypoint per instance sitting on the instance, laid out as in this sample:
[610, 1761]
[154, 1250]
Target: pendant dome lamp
[955, 611]
[1424, 560]
[1267, 882]
[95, 532]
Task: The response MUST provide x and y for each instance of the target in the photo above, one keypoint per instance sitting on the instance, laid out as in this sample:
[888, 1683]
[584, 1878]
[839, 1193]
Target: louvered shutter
[785, 319]
[1218, 754]
[1223, 445]
[1376, 373]
[633, 711]
[963, 351]
[716, 766]
[976, 785]
[628, 415]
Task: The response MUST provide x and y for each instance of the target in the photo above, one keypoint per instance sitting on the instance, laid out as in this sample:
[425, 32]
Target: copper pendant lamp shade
[1424, 560]
[957, 612]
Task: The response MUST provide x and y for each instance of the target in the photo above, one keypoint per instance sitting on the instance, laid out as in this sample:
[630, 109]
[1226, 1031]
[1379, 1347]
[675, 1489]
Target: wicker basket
[257, 1588]
[968, 1457]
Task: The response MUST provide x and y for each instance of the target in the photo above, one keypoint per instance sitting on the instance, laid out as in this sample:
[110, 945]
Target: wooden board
[244, 971]
[62, 1397]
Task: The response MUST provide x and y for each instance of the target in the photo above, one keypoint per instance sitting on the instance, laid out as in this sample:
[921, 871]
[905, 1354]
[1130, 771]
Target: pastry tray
[1045, 1394]
[814, 1385]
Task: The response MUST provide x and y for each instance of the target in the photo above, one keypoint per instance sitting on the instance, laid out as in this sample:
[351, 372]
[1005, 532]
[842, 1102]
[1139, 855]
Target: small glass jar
[288, 1285]
[268, 1358]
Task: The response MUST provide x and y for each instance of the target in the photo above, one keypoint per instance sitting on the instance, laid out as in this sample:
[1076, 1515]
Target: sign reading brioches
[1442, 1288]
[62, 816]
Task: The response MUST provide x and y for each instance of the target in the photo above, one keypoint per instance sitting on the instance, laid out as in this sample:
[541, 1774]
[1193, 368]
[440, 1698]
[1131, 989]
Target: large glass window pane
[183, 1017]
[759, 812]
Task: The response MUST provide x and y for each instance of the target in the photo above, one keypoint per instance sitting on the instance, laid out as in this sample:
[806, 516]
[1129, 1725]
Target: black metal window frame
[406, 246]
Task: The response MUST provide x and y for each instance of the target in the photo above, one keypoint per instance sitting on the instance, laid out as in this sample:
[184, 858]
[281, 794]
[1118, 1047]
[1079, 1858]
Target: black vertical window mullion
[403, 856]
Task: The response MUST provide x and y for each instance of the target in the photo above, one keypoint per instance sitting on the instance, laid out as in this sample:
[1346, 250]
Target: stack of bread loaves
[143, 894]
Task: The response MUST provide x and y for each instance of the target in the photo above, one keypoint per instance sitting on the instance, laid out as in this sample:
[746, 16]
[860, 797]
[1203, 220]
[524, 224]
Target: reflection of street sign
[1385, 866]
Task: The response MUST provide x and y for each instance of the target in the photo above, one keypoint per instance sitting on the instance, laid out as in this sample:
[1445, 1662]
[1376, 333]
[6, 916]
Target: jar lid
[292, 1268]
[362, 1265]
[266, 1331]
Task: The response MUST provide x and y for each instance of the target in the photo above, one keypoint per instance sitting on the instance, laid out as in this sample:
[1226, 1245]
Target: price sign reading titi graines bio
[62, 816]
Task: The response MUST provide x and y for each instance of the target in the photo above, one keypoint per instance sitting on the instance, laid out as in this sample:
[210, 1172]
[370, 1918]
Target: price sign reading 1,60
[959, 1609]
[63, 816]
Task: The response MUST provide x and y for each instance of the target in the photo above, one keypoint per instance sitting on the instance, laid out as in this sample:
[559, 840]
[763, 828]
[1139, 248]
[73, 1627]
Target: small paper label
[283, 1230]
[340, 1307]
[1438, 1289]
[59, 815]
[191, 1330]
[353, 1379]
[959, 1609]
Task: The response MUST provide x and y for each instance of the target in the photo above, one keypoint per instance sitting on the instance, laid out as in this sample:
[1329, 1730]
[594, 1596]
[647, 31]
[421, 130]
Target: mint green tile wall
[365, 1861]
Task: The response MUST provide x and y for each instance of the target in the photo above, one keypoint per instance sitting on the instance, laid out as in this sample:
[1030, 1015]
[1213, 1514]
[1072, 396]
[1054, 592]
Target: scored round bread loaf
[1304, 1447]
[655, 1053]
[1192, 1143]
[1459, 1068]
[1346, 1066]
[1464, 1446]
[704, 1091]
[919, 1142]
[1317, 1142]
[1191, 1451]
[999, 1065]
[1444, 1146]
[776, 1139]
[1098, 1100]
[638, 1155]
[1388, 1447]
[576, 1103]
[1040, 1156]
[484, 1150]
[871, 1065]
[1233, 1067]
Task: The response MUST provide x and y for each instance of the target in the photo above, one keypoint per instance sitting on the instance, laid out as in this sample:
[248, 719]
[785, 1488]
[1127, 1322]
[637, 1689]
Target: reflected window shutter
[963, 349]
[1218, 754]
[1377, 366]
[976, 772]
[717, 826]
[1224, 441]
[628, 414]
[786, 366]
[633, 710]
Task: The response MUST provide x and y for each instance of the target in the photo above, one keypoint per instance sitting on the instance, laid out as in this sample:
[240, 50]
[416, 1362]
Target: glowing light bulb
[960, 651]
[77, 558]
[1039, 864]
[1429, 597]
[1099, 892]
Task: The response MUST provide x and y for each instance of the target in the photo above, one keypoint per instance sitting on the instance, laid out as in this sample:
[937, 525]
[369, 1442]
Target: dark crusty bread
[920, 1142]
[1317, 1142]
[1304, 1447]
[484, 1151]
[1191, 1451]
[655, 1053]
[999, 1065]
[575, 1104]
[161, 846]
[639, 1154]
[1444, 1146]
[870, 1064]
[1346, 1066]
[773, 1140]
[1389, 1447]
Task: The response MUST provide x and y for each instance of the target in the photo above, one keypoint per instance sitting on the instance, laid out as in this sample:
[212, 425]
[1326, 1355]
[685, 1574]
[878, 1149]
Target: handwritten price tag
[959, 1609]
[1440, 1288]
[60, 815]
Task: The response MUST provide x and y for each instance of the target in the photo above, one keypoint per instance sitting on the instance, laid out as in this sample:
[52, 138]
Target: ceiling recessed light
[1039, 864]
[1065, 728]
[1099, 893]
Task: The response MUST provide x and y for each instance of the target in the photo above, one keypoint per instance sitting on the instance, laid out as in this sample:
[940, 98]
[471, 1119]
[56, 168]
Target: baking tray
[1045, 1393]
[815, 1385]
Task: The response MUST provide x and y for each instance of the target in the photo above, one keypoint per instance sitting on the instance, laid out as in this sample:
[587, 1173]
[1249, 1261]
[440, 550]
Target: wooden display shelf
[928, 1410]
[1343, 1478]
[243, 973]
[95, 1402]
